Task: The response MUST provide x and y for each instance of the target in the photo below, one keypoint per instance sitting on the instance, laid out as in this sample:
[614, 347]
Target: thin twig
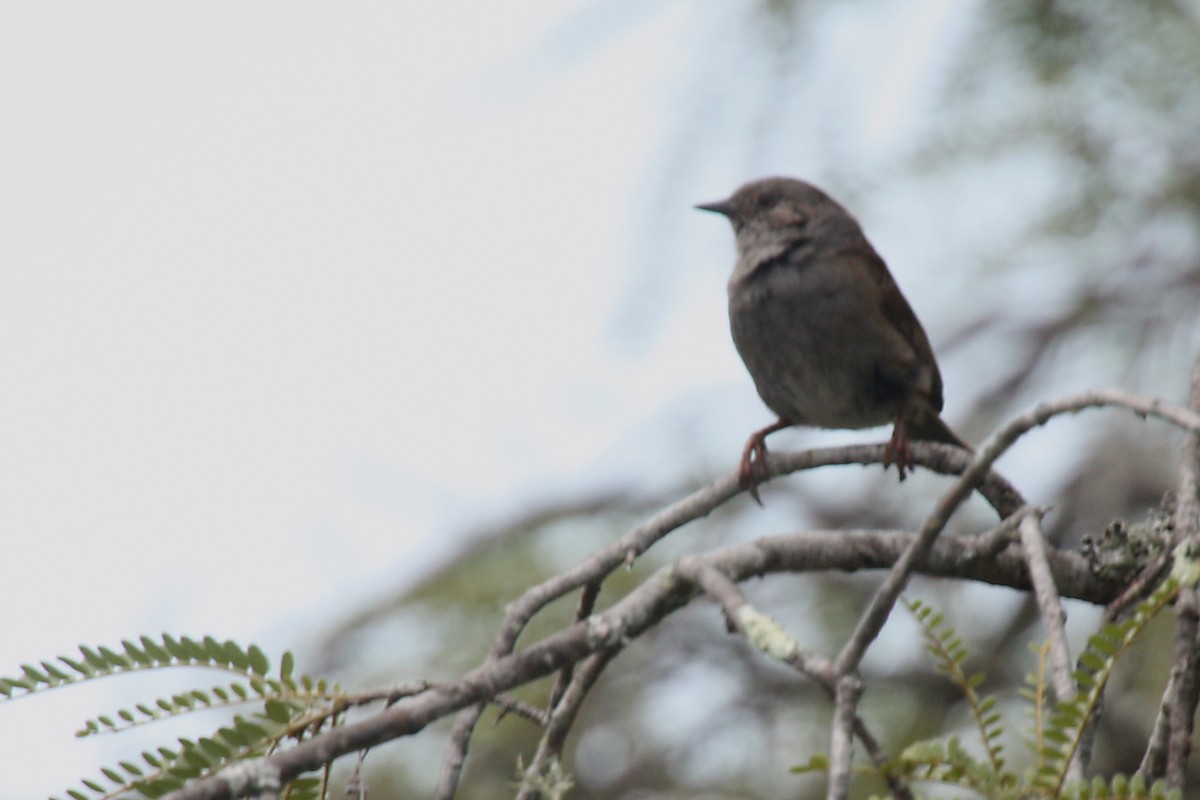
[769, 636]
[454, 755]
[1181, 702]
[760, 630]
[990, 544]
[1033, 543]
[1181, 697]
[563, 717]
[583, 609]
[1170, 739]
[884, 599]
[522, 708]
[841, 749]
[1045, 592]
[992, 448]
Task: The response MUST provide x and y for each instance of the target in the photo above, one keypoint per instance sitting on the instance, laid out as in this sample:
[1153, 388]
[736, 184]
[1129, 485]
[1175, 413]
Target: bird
[822, 327]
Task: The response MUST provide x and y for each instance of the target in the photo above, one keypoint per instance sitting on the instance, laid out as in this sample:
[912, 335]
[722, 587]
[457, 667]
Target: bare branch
[989, 559]
[1170, 739]
[764, 633]
[841, 748]
[454, 757]
[992, 448]
[1184, 688]
[565, 712]
[1046, 593]
[1033, 542]
[769, 637]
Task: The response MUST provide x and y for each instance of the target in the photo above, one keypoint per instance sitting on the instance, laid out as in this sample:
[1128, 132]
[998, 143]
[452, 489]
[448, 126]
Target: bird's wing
[899, 314]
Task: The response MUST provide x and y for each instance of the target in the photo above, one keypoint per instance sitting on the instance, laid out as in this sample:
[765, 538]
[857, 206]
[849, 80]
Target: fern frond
[948, 762]
[311, 693]
[292, 706]
[1121, 788]
[167, 769]
[1063, 732]
[102, 661]
[1036, 692]
[950, 652]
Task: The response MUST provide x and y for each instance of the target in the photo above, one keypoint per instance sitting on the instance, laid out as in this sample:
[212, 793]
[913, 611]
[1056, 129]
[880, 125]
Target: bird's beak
[721, 207]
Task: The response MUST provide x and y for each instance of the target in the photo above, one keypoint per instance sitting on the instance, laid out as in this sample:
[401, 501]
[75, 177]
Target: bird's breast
[798, 327]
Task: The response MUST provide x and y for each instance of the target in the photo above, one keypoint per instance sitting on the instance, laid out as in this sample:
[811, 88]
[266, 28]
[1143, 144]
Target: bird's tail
[932, 428]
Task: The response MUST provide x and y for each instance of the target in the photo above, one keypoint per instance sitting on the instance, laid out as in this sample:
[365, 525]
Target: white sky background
[291, 293]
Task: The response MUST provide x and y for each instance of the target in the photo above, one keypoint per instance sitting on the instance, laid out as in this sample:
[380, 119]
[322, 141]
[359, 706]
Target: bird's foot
[753, 469]
[896, 450]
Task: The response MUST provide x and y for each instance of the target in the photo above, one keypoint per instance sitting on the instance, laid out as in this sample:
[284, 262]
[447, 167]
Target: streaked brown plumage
[822, 326]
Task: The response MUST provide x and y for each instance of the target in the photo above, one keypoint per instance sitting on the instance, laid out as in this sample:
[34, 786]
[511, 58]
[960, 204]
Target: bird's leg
[896, 450]
[753, 469]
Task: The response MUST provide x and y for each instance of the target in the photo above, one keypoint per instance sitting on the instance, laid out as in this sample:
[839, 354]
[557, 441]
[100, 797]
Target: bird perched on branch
[822, 326]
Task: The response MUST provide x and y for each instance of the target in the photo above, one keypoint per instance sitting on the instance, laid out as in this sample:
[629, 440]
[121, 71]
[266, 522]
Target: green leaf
[286, 666]
[82, 668]
[114, 658]
[235, 655]
[258, 661]
[278, 711]
[196, 757]
[155, 651]
[136, 654]
[54, 672]
[93, 658]
[818, 763]
[34, 674]
[250, 730]
[176, 649]
[215, 749]
[195, 651]
[234, 737]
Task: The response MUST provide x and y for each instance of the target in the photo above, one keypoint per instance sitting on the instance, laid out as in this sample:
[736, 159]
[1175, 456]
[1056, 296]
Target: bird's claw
[753, 469]
[896, 450]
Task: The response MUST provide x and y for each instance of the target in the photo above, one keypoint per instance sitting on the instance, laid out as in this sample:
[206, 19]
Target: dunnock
[822, 326]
